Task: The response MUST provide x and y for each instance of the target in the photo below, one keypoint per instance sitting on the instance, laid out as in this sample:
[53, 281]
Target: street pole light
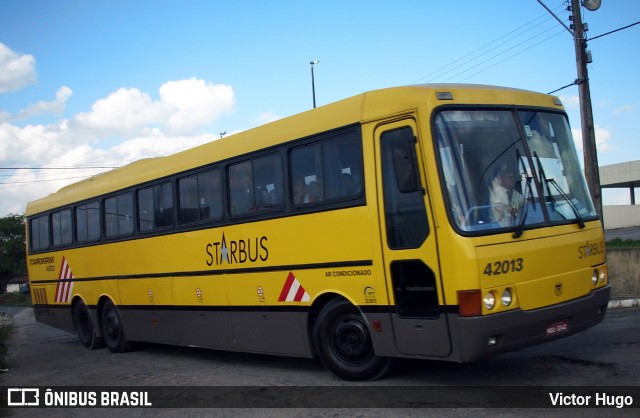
[586, 112]
[313, 84]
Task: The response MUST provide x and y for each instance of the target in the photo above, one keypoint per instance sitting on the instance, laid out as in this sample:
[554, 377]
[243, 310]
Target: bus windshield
[506, 169]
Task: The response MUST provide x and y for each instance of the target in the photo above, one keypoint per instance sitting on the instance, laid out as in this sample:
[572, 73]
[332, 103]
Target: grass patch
[623, 243]
[16, 299]
[5, 332]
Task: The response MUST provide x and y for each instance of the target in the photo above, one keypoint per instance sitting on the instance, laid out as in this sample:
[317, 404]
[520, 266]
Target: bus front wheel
[112, 329]
[84, 326]
[343, 343]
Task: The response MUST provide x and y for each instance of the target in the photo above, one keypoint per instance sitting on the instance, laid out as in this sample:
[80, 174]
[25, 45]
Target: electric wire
[576, 82]
[507, 58]
[614, 31]
[482, 51]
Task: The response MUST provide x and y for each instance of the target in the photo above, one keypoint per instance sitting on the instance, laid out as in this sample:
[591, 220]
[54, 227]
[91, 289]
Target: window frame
[130, 230]
[158, 192]
[87, 222]
[61, 228]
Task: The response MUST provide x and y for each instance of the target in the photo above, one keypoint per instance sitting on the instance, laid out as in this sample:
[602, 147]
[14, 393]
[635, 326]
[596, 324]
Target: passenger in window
[241, 196]
[348, 187]
[505, 200]
[314, 192]
[300, 194]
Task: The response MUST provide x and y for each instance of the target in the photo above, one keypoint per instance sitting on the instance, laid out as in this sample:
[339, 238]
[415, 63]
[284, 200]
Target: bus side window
[327, 170]
[61, 227]
[241, 188]
[306, 175]
[256, 185]
[88, 222]
[39, 232]
[118, 215]
[210, 195]
[200, 197]
[342, 164]
[155, 207]
[268, 179]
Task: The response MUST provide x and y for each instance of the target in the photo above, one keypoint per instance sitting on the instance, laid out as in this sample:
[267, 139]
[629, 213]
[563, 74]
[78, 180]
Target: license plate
[557, 328]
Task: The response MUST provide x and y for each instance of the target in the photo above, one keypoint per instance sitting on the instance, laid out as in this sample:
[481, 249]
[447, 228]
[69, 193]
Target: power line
[614, 31]
[41, 177]
[42, 180]
[58, 168]
[483, 51]
[509, 57]
[576, 82]
[4, 186]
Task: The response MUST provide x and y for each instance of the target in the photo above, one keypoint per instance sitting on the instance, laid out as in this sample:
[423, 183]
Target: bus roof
[364, 107]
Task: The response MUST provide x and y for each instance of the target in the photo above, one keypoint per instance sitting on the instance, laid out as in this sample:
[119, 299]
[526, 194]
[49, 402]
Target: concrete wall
[621, 216]
[624, 272]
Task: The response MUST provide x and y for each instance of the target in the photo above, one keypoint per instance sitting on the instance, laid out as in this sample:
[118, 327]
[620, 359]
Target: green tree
[13, 260]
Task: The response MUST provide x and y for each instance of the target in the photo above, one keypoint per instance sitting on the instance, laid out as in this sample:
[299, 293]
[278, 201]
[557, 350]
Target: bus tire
[84, 326]
[112, 329]
[343, 344]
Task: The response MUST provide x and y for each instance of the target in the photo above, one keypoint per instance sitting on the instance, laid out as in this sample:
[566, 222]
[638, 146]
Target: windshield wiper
[569, 201]
[517, 233]
[546, 182]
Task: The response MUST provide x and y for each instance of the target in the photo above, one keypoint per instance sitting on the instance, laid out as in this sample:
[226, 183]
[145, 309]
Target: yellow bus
[444, 222]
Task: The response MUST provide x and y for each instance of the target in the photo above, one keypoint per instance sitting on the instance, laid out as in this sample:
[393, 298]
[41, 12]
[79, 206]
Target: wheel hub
[352, 339]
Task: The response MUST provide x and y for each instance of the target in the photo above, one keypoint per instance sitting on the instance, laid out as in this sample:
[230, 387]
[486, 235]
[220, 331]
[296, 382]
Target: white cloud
[624, 109]
[267, 117]
[195, 103]
[56, 107]
[16, 71]
[123, 112]
[32, 144]
[603, 139]
[23, 186]
[140, 126]
[570, 101]
[185, 106]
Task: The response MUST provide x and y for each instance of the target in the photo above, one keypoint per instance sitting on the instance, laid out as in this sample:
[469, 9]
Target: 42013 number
[504, 267]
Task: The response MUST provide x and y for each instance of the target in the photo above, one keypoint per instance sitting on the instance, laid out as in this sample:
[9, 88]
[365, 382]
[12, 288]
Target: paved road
[623, 233]
[606, 355]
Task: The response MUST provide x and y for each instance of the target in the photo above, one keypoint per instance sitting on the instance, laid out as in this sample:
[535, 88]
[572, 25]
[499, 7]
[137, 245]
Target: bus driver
[505, 200]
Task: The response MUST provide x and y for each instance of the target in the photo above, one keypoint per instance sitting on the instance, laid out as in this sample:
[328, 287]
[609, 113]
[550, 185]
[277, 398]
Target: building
[627, 217]
[17, 284]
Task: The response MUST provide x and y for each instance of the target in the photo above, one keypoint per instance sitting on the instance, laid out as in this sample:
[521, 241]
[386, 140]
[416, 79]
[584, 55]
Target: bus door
[409, 244]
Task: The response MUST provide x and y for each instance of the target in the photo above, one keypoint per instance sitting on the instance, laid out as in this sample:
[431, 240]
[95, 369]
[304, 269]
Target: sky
[86, 86]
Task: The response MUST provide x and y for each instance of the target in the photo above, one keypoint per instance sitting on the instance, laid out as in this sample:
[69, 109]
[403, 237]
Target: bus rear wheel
[343, 343]
[112, 329]
[84, 326]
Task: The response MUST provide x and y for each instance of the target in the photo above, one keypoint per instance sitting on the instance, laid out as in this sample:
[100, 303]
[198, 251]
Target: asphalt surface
[623, 233]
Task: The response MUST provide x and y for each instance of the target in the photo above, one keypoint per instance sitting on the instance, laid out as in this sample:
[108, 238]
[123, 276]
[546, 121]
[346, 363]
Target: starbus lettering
[589, 250]
[237, 251]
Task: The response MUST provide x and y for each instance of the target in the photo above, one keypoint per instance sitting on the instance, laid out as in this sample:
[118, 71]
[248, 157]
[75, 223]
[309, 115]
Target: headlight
[506, 297]
[603, 275]
[594, 277]
[489, 300]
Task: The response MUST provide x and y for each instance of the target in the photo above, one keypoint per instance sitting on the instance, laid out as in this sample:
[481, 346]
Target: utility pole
[586, 113]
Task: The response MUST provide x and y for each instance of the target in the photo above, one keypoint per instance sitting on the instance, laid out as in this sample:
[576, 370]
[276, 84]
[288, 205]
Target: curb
[624, 303]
